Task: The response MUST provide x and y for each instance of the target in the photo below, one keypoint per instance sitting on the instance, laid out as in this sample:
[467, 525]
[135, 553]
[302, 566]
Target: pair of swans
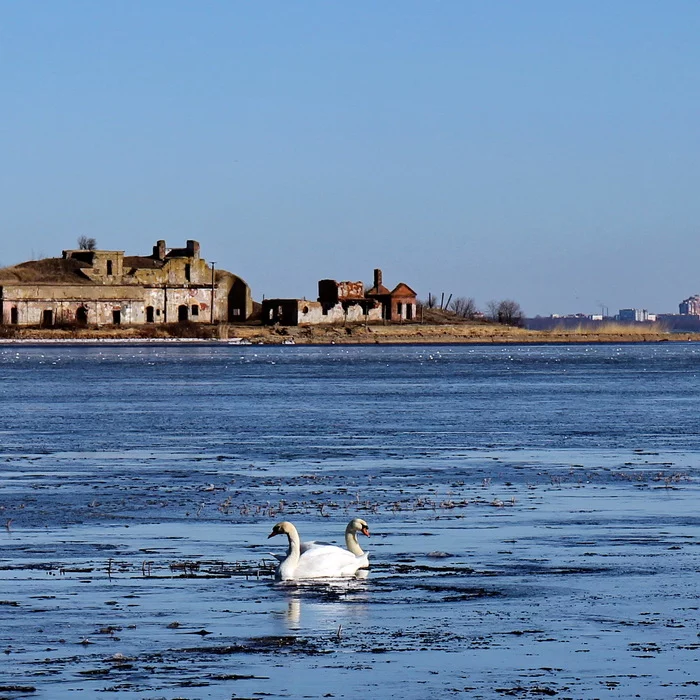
[317, 559]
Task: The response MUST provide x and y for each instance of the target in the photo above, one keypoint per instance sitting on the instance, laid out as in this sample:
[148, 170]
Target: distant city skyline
[544, 152]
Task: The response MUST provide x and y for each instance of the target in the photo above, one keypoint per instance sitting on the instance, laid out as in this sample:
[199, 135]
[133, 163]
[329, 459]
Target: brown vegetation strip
[409, 333]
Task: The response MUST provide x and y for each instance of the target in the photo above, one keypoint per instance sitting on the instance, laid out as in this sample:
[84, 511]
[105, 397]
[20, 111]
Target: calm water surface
[533, 514]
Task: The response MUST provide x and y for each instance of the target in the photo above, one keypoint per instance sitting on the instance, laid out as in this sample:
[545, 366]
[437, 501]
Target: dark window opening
[158, 312]
[305, 310]
[195, 310]
[109, 267]
[81, 315]
[47, 318]
[399, 309]
[188, 272]
[116, 317]
[237, 301]
[182, 313]
[409, 311]
[149, 314]
[14, 316]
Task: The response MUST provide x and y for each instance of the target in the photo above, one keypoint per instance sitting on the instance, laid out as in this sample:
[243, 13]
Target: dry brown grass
[408, 333]
[54, 270]
[614, 328]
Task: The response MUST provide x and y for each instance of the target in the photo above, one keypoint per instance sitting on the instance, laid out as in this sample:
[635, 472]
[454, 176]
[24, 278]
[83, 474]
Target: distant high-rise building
[690, 306]
[633, 315]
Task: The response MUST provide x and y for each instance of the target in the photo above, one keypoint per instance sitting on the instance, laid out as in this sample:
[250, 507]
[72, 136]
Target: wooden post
[213, 263]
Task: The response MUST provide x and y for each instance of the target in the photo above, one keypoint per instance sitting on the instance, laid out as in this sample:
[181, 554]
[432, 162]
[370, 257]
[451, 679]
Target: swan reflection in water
[324, 575]
[324, 602]
[293, 615]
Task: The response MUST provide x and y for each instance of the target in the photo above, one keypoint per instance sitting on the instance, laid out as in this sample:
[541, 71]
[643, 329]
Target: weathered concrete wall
[331, 292]
[99, 304]
[175, 271]
[32, 302]
[107, 266]
[356, 313]
[181, 304]
[351, 290]
[339, 313]
[147, 276]
[233, 300]
[161, 291]
[311, 312]
[293, 312]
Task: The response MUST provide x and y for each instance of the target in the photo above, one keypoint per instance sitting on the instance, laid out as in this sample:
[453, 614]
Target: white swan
[351, 543]
[318, 560]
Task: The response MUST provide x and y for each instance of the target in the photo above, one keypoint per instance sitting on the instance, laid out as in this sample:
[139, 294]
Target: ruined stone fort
[102, 287]
[175, 285]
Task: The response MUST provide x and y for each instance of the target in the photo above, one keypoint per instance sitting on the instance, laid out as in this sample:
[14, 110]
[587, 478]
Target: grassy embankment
[447, 330]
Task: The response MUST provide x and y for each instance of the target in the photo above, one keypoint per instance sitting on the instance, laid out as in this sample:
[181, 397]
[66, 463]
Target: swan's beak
[365, 531]
[272, 534]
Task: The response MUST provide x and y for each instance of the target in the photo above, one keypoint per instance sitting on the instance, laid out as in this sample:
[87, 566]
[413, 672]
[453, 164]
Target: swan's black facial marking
[276, 530]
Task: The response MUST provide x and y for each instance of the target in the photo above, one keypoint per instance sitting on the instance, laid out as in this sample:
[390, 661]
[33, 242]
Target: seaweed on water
[261, 645]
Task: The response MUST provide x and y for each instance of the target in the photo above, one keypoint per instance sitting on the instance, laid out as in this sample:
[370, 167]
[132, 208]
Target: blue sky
[542, 151]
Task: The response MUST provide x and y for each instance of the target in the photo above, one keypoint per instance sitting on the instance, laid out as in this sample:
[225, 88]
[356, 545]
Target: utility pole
[213, 263]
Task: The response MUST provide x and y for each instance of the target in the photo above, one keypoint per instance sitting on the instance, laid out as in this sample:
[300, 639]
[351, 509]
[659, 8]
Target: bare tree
[86, 243]
[506, 311]
[464, 307]
[492, 309]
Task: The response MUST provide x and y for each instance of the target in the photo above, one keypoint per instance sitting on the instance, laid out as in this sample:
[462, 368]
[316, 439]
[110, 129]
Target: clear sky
[543, 151]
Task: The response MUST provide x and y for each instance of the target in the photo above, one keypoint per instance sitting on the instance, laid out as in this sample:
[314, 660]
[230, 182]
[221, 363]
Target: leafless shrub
[506, 311]
[464, 307]
[86, 243]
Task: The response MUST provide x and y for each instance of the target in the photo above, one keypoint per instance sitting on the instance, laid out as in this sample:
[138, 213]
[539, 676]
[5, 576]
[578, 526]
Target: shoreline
[414, 334]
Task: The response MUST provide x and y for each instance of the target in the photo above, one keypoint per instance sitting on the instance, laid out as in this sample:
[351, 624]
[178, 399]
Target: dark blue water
[261, 402]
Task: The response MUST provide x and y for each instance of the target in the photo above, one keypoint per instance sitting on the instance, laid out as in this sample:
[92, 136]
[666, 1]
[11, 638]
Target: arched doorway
[237, 301]
[81, 316]
[182, 313]
[150, 318]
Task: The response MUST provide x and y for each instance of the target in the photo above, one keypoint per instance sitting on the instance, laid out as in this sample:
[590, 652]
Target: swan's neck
[352, 544]
[294, 548]
[285, 571]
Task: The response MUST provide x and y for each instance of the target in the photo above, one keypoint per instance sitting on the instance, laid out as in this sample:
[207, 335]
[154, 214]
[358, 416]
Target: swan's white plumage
[351, 542]
[317, 560]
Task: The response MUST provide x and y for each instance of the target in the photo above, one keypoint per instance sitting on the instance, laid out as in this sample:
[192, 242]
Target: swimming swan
[354, 526]
[319, 560]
